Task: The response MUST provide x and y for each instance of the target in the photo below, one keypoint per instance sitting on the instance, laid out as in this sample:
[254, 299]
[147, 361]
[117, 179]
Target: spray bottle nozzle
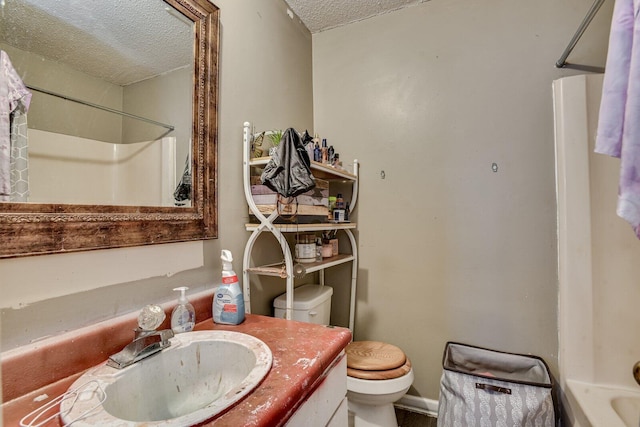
[227, 259]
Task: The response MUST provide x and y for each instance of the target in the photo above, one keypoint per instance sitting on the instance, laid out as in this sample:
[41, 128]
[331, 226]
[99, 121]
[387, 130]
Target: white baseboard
[418, 404]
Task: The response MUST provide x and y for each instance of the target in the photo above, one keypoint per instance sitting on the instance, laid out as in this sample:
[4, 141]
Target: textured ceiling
[121, 41]
[320, 15]
[125, 41]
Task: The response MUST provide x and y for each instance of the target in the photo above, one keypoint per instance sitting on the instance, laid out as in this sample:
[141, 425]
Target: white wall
[265, 77]
[433, 95]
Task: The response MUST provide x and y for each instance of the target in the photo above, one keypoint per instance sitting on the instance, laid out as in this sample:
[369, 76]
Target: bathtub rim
[595, 401]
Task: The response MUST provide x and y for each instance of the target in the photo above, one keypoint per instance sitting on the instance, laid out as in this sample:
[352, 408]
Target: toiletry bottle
[318, 249]
[228, 302]
[310, 148]
[338, 212]
[336, 161]
[315, 142]
[325, 152]
[332, 206]
[331, 154]
[183, 317]
[317, 153]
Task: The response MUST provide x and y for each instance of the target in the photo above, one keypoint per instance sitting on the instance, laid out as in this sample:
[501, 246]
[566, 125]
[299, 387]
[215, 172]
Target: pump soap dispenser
[183, 317]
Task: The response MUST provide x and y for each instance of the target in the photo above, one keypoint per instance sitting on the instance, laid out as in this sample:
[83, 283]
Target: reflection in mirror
[109, 120]
[121, 119]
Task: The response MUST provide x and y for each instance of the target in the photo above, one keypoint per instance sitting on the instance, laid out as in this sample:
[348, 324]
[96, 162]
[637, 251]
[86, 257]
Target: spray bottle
[228, 302]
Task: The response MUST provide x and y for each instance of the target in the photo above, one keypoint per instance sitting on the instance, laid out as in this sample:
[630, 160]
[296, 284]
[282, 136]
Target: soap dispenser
[183, 317]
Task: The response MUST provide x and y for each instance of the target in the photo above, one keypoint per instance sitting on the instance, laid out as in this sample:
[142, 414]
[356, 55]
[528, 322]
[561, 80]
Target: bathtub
[606, 406]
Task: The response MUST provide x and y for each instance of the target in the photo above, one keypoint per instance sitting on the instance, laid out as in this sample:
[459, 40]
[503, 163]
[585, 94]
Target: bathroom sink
[200, 375]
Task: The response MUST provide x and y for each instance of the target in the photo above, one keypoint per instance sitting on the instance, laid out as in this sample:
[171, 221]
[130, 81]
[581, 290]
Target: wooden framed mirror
[34, 228]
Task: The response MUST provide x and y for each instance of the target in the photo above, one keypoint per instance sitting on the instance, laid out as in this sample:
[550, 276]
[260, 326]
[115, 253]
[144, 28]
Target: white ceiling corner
[321, 15]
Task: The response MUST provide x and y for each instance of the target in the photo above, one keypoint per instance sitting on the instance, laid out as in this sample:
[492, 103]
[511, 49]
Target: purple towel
[619, 122]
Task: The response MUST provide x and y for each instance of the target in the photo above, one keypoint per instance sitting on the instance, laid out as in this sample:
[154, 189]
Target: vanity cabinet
[266, 223]
[306, 385]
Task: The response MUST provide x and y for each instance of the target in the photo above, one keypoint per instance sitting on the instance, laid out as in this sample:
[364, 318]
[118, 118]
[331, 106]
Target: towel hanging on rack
[618, 132]
[14, 99]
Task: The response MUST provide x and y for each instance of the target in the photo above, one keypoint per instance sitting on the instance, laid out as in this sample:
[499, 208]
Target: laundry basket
[482, 387]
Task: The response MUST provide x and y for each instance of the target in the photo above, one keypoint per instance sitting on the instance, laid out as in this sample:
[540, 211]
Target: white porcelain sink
[200, 375]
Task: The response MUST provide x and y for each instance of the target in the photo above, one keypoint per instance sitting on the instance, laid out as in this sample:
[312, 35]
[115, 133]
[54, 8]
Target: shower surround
[69, 169]
[599, 272]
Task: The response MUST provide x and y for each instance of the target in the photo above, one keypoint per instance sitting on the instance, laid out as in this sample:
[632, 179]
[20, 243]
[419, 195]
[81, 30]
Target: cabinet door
[341, 416]
[327, 404]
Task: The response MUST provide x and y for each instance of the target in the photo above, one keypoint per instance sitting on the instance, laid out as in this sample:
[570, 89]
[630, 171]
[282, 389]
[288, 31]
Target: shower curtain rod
[562, 62]
[101, 107]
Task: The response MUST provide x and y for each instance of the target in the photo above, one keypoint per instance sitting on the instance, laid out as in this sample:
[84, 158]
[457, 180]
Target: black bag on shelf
[288, 172]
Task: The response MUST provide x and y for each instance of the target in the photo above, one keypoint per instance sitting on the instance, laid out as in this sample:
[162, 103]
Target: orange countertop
[302, 354]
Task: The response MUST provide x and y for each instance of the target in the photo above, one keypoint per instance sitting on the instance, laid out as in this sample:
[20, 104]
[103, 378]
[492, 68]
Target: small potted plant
[275, 136]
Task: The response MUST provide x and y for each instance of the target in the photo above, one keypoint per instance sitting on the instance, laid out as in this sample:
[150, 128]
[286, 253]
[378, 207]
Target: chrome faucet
[145, 343]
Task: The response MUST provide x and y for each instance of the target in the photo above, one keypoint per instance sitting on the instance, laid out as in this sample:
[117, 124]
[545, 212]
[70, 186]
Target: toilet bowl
[378, 374]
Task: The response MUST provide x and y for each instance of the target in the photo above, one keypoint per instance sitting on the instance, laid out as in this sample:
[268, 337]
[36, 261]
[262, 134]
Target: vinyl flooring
[413, 419]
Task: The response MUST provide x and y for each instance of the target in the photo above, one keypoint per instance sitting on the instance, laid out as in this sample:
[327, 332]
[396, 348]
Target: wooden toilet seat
[375, 360]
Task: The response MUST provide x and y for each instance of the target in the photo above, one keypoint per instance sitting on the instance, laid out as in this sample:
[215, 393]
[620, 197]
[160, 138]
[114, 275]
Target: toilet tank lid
[305, 297]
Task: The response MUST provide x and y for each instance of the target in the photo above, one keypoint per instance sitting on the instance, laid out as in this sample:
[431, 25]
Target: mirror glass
[109, 120]
[116, 112]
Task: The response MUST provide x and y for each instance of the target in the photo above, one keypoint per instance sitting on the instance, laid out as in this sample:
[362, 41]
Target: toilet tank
[311, 303]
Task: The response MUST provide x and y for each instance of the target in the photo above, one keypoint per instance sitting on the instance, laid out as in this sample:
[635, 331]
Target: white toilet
[378, 374]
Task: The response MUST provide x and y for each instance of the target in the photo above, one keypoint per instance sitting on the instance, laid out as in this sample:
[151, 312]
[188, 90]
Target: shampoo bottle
[228, 302]
[325, 152]
[183, 317]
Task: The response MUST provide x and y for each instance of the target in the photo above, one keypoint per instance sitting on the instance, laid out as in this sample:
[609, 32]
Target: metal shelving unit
[266, 224]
